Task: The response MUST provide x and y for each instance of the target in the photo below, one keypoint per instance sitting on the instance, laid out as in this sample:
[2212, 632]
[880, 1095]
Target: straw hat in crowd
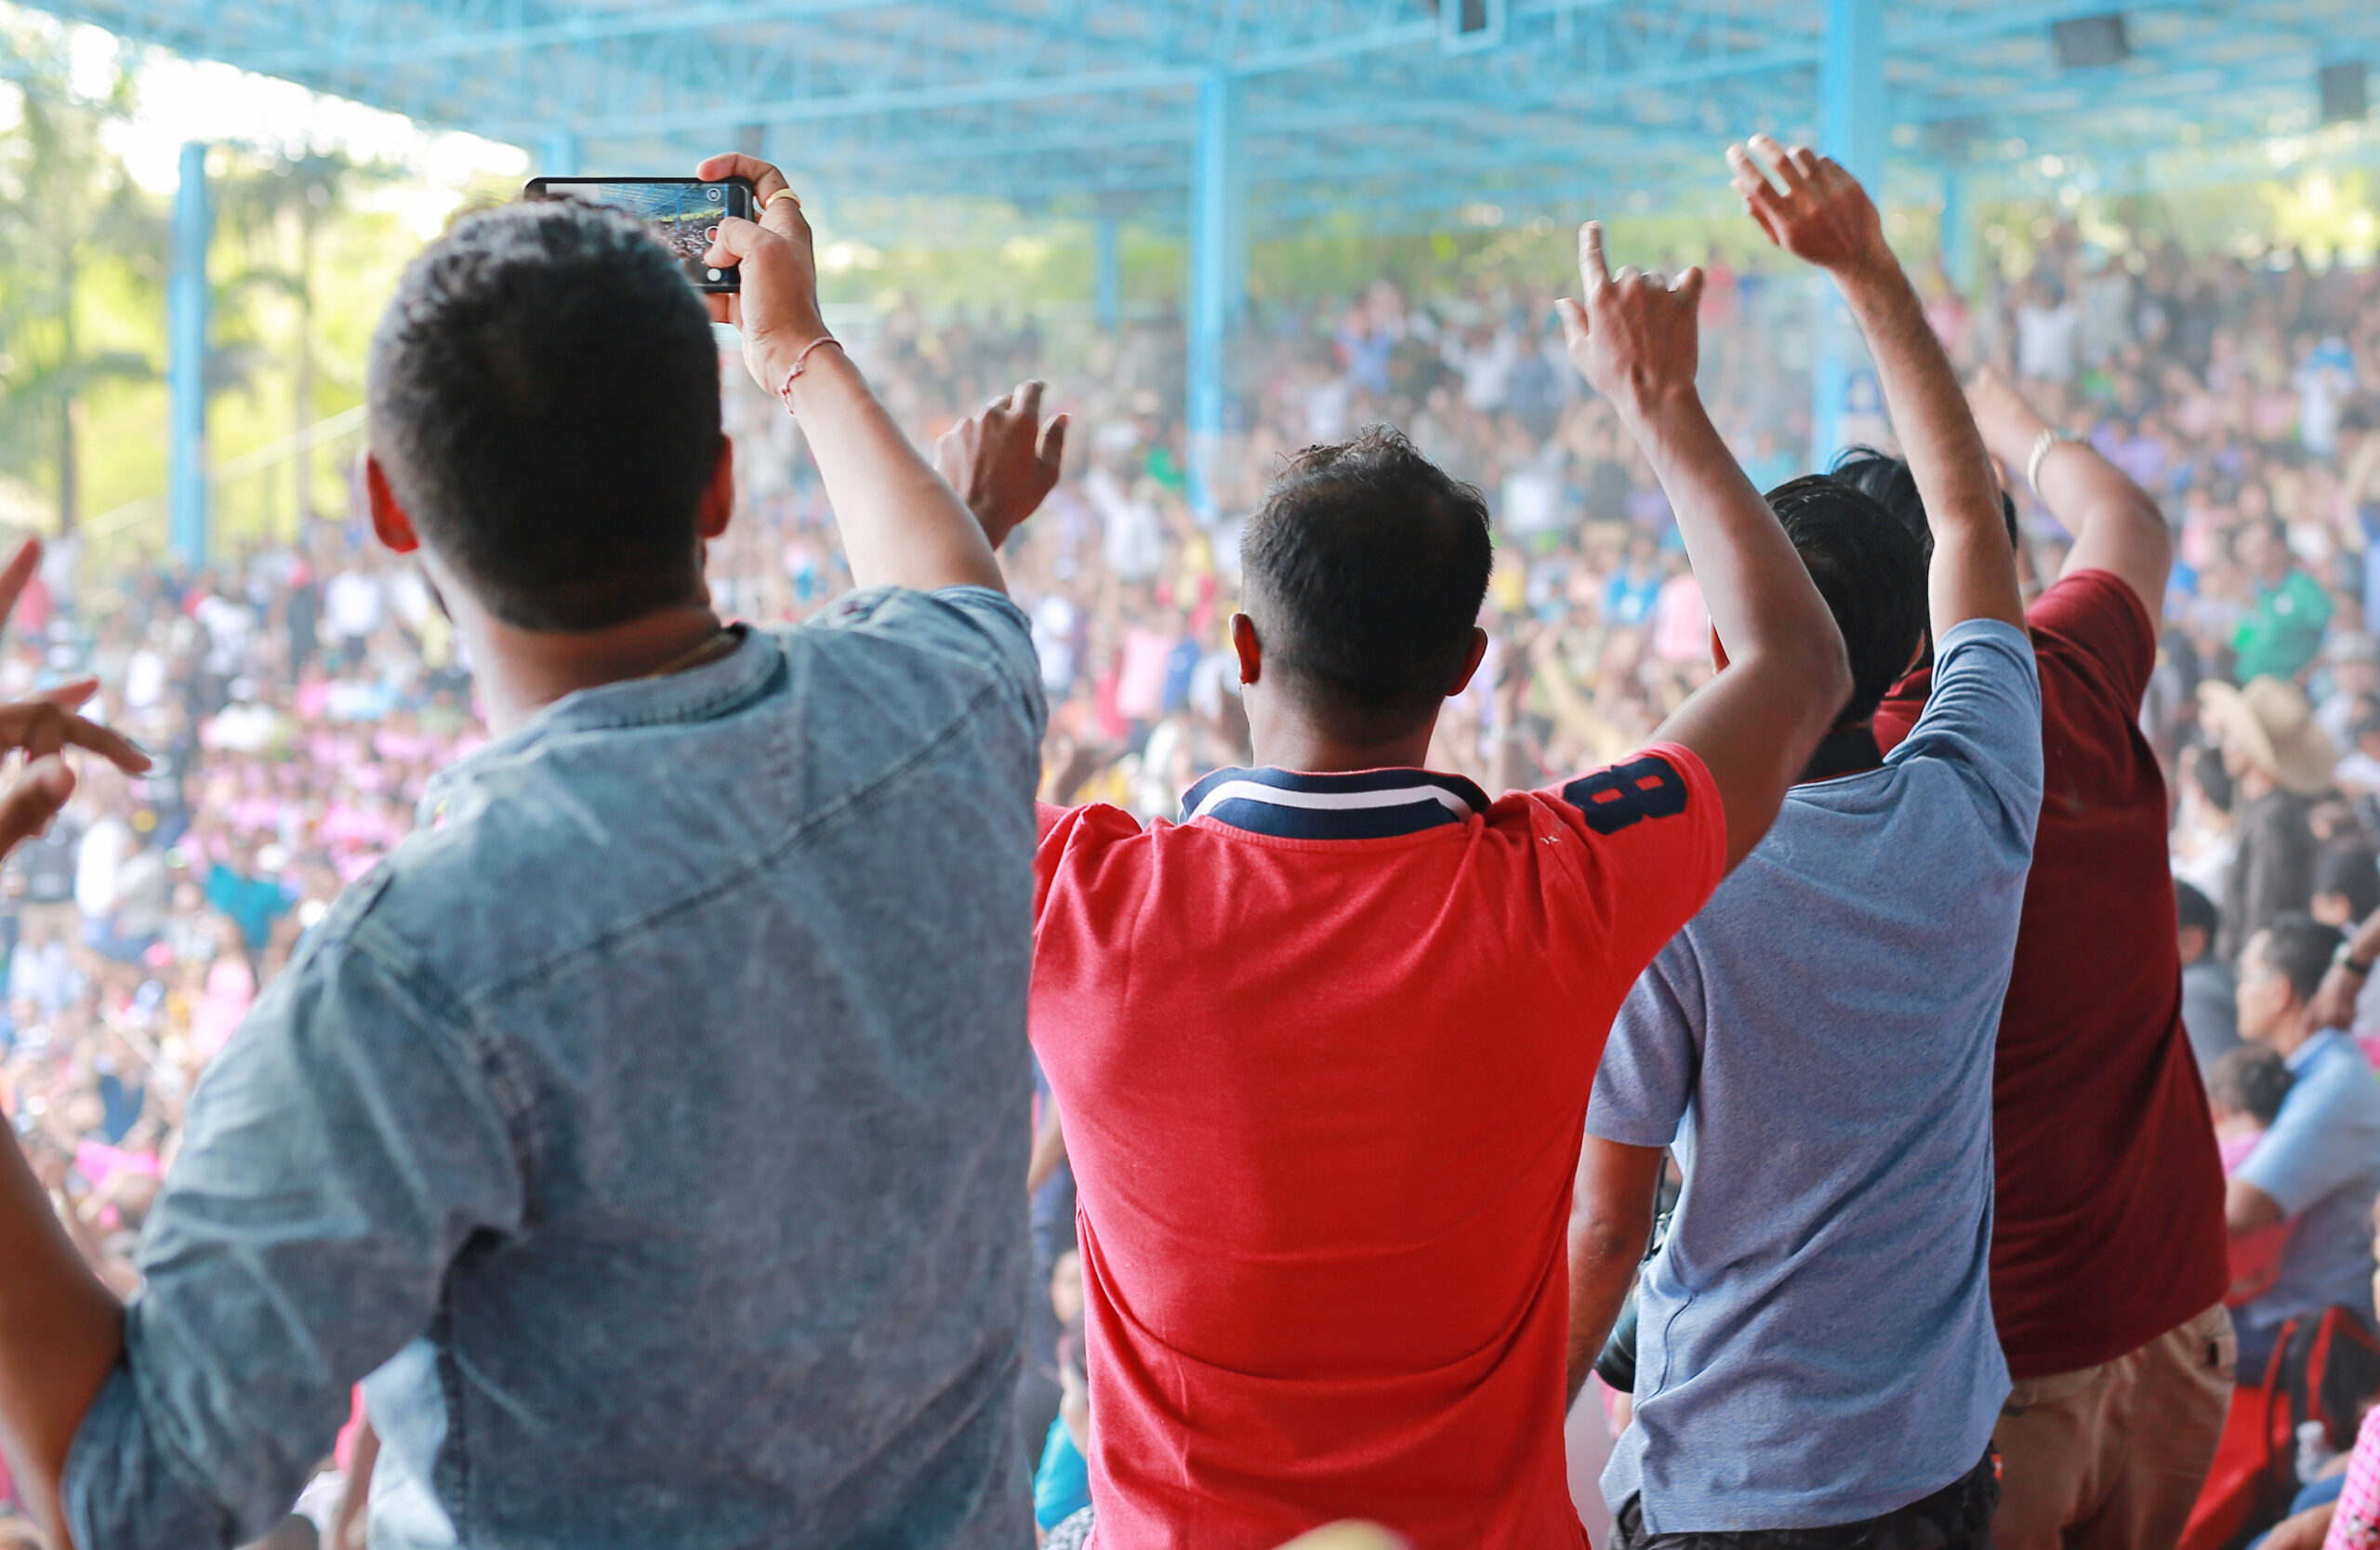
[2271, 725]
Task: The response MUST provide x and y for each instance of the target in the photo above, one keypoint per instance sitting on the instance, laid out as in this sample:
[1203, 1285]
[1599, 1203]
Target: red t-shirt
[1324, 1052]
[2107, 1229]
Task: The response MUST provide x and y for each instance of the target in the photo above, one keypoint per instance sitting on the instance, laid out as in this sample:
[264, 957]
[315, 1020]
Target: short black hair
[1872, 574]
[1364, 568]
[1889, 481]
[2350, 870]
[2192, 907]
[544, 398]
[2300, 948]
[2252, 1079]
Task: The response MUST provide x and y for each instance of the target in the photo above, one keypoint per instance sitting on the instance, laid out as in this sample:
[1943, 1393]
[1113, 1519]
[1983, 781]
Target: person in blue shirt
[1817, 1043]
[644, 1132]
[253, 903]
[1062, 1481]
[2318, 1165]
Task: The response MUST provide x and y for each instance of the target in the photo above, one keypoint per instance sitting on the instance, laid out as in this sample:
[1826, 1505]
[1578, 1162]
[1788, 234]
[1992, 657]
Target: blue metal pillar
[1854, 124]
[187, 299]
[1958, 232]
[1218, 273]
[561, 154]
[1107, 274]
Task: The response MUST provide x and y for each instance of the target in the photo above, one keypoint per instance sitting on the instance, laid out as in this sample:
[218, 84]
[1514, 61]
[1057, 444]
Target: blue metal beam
[1107, 274]
[1218, 275]
[189, 296]
[1855, 127]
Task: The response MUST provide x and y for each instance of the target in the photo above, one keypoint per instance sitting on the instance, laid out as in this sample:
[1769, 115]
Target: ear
[389, 520]
[719, 501]
[1471, 663]
[1248, 648]
[1718, 651]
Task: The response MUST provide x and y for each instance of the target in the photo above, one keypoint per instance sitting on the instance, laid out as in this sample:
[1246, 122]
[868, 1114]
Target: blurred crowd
[297, 695]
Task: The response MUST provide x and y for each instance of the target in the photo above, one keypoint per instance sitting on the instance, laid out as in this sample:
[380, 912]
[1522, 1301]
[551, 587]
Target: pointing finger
[1591, 267]
[70, 696]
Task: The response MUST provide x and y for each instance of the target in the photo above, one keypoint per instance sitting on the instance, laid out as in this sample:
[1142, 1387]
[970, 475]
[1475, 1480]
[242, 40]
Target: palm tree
[65, 204]
[278, 206]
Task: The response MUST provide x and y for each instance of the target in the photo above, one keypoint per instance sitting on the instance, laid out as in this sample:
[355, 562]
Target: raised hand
[1632, 335]
[1821, 214]
[1003, 462]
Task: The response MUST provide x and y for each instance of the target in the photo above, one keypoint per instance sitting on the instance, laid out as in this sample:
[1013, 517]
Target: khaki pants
[2112, 1457]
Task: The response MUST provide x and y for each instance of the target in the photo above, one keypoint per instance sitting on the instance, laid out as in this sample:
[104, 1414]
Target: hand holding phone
[777, 307]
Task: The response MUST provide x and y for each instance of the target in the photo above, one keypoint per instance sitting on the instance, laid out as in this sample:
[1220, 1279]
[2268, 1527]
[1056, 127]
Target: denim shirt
[649, 1127]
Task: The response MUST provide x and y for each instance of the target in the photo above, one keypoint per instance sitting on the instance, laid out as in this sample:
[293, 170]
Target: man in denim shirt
[649, 1128]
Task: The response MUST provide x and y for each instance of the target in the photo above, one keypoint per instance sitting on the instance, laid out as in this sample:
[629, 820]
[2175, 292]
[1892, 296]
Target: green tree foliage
[66, 211]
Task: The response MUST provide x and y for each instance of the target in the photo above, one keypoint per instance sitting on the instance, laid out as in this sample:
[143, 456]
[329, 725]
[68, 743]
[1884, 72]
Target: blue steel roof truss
[1342, 104]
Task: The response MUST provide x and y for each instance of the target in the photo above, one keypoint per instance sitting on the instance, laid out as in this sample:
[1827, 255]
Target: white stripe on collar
[1285, 796]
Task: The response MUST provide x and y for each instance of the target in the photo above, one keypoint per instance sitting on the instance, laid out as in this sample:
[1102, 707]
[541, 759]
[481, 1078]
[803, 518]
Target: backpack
[2322, 1368]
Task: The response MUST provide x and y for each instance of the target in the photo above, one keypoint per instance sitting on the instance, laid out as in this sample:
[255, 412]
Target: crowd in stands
[298, 698]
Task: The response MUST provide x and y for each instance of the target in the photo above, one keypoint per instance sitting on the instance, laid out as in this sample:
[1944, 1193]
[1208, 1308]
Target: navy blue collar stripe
[1369, 804]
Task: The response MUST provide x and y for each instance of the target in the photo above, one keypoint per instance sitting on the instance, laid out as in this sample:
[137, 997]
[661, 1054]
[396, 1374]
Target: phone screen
[684, 212]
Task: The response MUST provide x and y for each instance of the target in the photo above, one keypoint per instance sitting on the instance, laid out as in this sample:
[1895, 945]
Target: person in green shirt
[2283, 630]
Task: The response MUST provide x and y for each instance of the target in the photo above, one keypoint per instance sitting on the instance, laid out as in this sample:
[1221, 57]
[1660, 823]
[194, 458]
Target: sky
[176, 101]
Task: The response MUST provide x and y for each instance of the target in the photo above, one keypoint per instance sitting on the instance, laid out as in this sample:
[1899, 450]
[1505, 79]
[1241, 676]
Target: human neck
[1296, 744]
[2291, 1034]
[521, 672]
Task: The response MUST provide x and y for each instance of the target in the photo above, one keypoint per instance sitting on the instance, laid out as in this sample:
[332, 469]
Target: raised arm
[1818, 212]
[902, 525]
[2116, 526]
[1755, 725]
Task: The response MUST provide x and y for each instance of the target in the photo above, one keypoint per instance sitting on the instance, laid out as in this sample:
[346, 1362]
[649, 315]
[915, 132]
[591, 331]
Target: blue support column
[560, 158]
[1217, 275]
[187, 301]
[1854, 123]
[1107, 274]
[1958, 232]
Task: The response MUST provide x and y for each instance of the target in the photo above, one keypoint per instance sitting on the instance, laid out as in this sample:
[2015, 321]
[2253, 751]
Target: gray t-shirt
[1817, 1045]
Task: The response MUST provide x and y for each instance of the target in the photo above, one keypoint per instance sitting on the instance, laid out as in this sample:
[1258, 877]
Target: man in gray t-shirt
[1816, 1044]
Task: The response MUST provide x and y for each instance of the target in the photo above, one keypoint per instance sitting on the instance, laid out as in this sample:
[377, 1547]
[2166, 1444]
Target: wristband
[784, 389]
[2345, 959]
[2050, 437]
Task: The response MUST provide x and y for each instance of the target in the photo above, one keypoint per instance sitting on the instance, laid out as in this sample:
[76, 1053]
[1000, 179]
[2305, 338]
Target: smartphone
[684, 212]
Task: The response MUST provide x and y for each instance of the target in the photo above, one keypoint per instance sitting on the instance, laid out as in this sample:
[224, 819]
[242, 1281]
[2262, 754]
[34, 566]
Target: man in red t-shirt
[2108, 1252]
[1325, 1046]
